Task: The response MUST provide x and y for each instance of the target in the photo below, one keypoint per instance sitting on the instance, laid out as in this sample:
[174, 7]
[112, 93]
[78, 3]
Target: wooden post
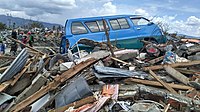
[108, 41]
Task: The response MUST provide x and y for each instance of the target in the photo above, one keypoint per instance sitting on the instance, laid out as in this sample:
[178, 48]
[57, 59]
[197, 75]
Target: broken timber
[26, 45]
[121, 61]
[177, 75]
[163, 83]
[155, 83]
[53, 85]
[156, 60]
[182, 64]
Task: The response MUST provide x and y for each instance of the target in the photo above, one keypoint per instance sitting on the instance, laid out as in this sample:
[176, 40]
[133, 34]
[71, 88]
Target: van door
[145, 28]
[92, 30]
[122, 35]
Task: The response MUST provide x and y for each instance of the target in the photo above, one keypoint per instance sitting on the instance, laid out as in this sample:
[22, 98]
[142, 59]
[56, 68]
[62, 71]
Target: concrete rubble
[156, 78]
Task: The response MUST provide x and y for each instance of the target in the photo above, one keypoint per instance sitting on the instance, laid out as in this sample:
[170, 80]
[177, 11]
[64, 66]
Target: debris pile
[156, 78]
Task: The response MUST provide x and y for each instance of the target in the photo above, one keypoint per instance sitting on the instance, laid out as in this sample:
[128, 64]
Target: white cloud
[189, 27]
[192, 20]
[141, 12]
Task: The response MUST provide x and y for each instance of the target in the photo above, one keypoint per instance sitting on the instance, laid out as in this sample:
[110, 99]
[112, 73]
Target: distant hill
[21, 21]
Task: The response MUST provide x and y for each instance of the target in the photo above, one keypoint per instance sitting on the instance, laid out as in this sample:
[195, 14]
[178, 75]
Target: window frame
[89, 27]
[97, 26]
[138, 18]
[120, 27]
[126, 22]
[83, 26]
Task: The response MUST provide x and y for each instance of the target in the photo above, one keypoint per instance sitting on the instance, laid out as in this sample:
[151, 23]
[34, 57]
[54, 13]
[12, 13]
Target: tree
[36, 25]
[2, 26]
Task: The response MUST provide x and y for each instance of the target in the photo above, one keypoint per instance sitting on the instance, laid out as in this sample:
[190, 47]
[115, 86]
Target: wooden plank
[87, 100]
[3, 68]
[156, 60]
[5, 85]
[185, 71]
[54, 84]
[155, 83]
[121, 61]
[182, 64]
[166, 108]
[6, 57]
[26, 45]
[177, 75]
[163, 83]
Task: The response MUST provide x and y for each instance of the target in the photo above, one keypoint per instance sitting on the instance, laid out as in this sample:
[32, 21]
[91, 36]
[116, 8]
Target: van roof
[103, 17]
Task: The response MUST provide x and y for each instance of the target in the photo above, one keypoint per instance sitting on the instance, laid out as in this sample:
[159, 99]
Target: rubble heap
[157, 78]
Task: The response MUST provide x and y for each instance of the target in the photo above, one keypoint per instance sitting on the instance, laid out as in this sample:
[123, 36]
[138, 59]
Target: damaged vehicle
[125, 31]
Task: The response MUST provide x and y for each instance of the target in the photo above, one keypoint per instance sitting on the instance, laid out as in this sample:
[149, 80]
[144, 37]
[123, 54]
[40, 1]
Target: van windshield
[140, 21]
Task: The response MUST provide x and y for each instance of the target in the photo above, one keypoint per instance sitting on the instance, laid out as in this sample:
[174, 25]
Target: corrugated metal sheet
[109, 72]
[77, 90]
[4, 97]
[15, 66]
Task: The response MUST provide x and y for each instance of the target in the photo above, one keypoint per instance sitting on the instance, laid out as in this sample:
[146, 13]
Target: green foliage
[2, 26]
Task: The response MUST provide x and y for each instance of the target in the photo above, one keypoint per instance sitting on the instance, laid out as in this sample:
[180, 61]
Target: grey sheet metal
[75, 91]
[109, 72]
[4, 97]
[15, 66]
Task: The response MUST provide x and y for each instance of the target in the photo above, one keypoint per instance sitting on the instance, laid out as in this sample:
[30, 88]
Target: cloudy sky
[182, 16]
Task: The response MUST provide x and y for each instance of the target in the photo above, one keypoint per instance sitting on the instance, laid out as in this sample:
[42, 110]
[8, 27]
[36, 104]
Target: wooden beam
[177, 75]
[3, 68]
[182, 64]
[108, 40]
[186, 71]
[166, 107]
[153, 61]
[156, 83]
[77, 104]
[26, 45]
[121, 61]
[54, 84]
[5, 85]
[6, 57]
[163, 83]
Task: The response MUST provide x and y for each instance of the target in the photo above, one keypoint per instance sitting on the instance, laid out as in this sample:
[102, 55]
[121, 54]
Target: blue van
[125, 31]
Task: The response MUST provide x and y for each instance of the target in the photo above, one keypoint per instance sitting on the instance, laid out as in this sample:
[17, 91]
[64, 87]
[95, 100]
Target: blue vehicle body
[124, 31]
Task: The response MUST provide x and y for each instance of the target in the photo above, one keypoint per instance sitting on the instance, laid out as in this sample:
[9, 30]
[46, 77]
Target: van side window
[92, 26]
[140, 21]
[100, 24]
[119, 24]
[78, 28]
[115, 25]
[96, 26]
[123, 23]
